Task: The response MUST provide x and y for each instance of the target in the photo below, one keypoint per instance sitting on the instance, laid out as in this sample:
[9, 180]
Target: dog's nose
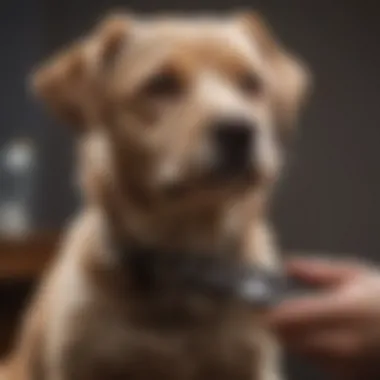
[234, 140]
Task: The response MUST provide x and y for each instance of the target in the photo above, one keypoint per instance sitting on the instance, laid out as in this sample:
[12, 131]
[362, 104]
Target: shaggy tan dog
[179, 122]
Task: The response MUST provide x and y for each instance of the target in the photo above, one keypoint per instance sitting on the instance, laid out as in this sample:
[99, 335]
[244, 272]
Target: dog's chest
[219, 352]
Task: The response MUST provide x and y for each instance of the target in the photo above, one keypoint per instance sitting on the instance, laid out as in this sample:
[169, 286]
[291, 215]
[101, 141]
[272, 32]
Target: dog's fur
[144, 159]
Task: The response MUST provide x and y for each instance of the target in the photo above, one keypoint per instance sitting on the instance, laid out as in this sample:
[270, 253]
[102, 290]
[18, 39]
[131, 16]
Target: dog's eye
[164, 84]
[250, 84]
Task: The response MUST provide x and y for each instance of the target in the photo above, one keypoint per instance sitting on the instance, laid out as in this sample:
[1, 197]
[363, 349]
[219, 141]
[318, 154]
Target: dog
[180, 125]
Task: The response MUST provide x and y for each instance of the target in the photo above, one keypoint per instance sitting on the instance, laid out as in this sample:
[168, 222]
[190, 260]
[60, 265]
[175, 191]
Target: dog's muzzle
[203, 274]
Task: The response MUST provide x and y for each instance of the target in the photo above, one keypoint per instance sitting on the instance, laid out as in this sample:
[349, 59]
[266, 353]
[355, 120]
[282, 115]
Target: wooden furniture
[25, 258]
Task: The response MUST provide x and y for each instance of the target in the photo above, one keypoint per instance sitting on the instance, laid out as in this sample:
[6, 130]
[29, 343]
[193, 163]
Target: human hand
[339, 327]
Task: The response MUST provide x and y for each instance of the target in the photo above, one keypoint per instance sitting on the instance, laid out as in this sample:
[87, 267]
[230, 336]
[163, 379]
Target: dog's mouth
[213, 181]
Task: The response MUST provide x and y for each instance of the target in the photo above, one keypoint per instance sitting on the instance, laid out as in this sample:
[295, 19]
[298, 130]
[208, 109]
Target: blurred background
[328, 199]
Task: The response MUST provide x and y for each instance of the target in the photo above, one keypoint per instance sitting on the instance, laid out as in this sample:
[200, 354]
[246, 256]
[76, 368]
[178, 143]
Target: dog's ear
[66, 82]
[290, 79]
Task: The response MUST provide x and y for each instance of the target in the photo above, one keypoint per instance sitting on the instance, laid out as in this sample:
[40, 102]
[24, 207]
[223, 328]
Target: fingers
[323, 272]
[313, 311]
[333, 327]
[351, 301]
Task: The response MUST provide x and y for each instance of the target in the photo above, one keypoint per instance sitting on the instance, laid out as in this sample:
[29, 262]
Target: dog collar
[205, 274]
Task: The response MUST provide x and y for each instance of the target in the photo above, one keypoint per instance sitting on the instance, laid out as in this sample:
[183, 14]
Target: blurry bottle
[17, 166]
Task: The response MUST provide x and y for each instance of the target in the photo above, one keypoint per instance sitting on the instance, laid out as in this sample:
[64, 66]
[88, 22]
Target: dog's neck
[214, 222]
[223, 230]
[162, 263]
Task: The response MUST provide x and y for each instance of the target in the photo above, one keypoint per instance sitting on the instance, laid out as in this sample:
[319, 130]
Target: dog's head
[182, 104]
